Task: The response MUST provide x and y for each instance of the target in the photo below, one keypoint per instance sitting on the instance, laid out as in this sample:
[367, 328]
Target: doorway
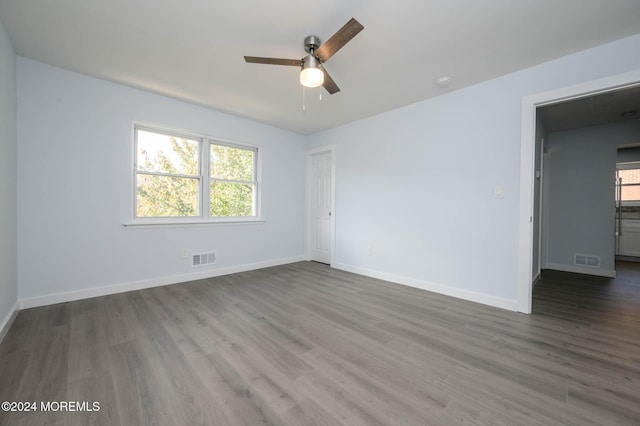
[320, 217]
[528, 215]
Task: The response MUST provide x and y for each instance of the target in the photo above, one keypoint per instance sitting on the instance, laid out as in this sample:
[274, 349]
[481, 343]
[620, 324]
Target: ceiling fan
[312, 73]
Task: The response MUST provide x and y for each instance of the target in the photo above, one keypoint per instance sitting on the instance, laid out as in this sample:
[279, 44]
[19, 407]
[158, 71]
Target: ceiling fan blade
[273, 61]
[338, 40]
[329, 84]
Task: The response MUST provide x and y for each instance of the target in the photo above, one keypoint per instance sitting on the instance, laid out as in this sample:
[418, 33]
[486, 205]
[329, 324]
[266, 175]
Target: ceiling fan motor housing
[311, 44]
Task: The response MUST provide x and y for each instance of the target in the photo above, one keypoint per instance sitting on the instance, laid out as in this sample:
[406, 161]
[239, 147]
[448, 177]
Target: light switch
[499, 192]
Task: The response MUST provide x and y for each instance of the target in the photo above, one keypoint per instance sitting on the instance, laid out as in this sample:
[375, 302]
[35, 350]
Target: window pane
[629, 176]
[631, 193]
[164, 196]
[231, 199]
[166, 153]
[231, 163]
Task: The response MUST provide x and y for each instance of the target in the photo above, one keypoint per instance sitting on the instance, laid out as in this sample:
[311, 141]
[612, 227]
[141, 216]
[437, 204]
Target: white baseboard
[608, 273]
[471, 296]
[6, 323]
[634, 259]
[51, 299]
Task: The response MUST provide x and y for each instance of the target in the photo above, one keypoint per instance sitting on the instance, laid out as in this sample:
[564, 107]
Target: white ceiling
[193, 49]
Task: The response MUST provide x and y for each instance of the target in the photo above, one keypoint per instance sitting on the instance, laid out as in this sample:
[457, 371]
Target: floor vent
[586, 260]
[202, 259]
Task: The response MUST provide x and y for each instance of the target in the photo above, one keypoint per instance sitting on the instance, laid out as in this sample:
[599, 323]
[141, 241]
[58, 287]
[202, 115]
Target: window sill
[188, 223]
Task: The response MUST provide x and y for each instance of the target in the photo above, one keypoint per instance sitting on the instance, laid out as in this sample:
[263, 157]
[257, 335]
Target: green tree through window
[169, 177]
[231, 181]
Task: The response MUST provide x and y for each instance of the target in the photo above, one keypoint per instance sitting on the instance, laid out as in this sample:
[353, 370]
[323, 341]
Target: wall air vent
[587, 260]
[202, 259]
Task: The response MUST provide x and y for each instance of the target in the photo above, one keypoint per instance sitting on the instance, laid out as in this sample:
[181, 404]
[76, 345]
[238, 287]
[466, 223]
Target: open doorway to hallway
[577, 207]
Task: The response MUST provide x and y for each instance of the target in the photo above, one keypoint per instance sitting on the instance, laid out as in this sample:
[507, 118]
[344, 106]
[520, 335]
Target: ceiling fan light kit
[312, 73]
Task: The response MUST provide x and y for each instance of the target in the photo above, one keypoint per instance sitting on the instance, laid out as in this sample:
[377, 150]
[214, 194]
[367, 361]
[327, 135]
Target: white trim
[6, 324]
[168, 224]
[628, 165]
[536, 278]
[544, 216]
[635, 259]
[69, 296]
[582, 270]
[527, 172]
[307, 214]
[541, 218]
[446, 290]
[185, 133]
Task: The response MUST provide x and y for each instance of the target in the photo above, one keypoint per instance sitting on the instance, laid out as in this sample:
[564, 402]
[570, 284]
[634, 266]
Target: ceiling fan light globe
[311, 77]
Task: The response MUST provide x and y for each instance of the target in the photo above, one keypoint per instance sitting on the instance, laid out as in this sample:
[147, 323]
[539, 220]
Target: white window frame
[629, 166]
[204, 145]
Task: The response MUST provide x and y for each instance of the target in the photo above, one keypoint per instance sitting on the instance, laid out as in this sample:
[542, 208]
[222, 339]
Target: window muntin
[172, 172]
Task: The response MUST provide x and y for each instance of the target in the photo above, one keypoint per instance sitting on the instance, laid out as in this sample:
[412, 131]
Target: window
[193, 178]
[628, 180]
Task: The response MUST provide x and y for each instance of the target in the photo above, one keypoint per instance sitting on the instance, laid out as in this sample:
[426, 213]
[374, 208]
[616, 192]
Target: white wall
[8, 160]
[580, 195]
[417, 183]
[75, 190]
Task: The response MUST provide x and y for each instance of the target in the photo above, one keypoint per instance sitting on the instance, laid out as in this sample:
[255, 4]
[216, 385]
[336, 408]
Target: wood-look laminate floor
[303, 344]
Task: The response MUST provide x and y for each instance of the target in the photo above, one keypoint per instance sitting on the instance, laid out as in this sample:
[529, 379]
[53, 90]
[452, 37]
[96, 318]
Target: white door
[320, 208]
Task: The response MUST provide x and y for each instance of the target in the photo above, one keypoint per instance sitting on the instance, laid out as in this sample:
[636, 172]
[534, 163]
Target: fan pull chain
[303, 99]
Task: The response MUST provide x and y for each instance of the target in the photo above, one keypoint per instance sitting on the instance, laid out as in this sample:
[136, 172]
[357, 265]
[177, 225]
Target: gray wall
[8, 187]
[581, 165]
